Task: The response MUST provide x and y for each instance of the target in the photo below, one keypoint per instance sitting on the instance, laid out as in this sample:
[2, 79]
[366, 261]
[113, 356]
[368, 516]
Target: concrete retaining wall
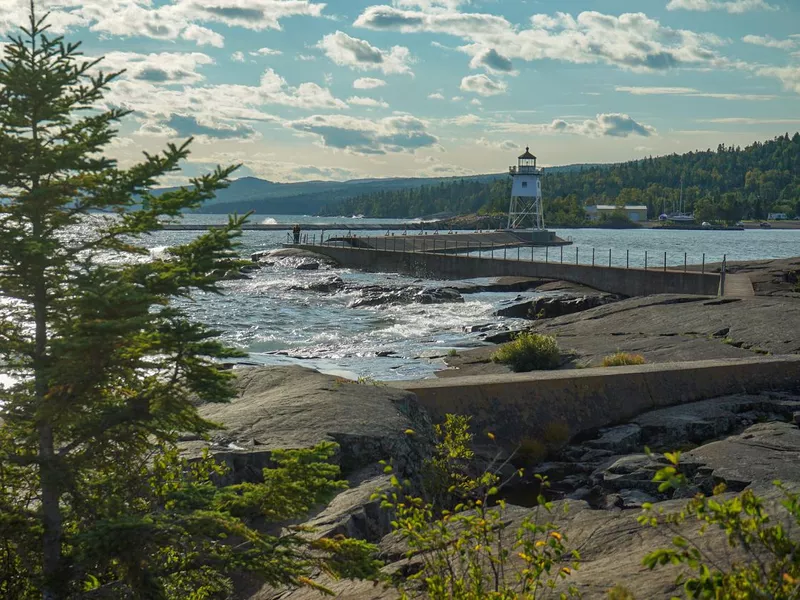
[615, 280]
[522, 406]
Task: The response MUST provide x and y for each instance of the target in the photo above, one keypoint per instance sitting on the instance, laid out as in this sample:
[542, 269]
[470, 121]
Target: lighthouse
[525, 208]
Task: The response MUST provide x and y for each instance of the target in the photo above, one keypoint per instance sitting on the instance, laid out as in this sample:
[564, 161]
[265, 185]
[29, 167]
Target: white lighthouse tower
[525, 209]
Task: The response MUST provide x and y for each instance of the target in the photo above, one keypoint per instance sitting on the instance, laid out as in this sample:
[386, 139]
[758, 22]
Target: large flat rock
[761, 454]
[669, 328]
[663, 328]
[295, 407]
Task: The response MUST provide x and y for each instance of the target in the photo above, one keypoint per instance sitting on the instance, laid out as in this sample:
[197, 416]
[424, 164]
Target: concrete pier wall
[525, 406]
[615, 280]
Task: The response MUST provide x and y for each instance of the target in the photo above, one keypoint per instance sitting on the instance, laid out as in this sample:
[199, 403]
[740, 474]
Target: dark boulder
[553, 306]
[325, 286]
[307, 266]
[438, 296]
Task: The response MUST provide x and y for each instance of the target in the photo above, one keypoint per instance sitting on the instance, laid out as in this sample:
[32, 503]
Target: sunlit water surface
[276, 324]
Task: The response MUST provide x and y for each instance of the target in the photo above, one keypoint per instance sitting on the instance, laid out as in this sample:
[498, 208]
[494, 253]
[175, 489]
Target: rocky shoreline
[744, 441]
[604, 476]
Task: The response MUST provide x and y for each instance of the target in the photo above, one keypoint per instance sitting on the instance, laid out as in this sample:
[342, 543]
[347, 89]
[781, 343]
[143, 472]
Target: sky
[300, 90]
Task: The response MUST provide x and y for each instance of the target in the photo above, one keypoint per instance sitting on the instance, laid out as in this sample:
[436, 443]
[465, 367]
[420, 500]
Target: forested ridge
[726, 184]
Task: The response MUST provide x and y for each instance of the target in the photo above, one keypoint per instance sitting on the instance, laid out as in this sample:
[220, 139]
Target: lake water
[264, 316]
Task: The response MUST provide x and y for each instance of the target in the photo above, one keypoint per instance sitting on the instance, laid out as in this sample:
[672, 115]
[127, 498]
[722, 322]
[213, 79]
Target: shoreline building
[636, 213]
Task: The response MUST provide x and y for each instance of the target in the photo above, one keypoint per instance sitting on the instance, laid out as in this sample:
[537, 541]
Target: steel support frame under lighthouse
[525, 208]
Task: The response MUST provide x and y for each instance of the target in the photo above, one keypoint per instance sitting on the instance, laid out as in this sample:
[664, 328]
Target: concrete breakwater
[305, 226]
[615, 280]
[521, 406]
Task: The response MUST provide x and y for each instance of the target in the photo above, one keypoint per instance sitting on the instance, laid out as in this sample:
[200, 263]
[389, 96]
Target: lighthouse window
[524, 184]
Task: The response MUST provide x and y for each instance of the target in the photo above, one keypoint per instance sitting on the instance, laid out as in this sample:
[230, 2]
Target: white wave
[269, 221]
[159, 252]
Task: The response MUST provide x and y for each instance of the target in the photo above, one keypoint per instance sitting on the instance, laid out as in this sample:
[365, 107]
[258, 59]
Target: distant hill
[316, 197]
[725, 184]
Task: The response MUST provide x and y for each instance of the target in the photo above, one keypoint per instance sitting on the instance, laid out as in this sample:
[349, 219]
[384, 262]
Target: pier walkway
[287, 227]
[738, 286]
[439, 264]
[453, 242]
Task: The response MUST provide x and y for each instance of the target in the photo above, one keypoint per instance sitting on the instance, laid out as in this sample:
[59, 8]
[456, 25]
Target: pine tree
[95, 501]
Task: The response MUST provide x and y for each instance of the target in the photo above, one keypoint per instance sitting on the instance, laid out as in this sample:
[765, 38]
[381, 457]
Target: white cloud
[213, 111]
[370, 102]
[203, 36]
[14, 13]
[237, 56]
[652, 91]
[690, 92]
[457, 98]
[273, 89]
[306, 57]
[631, 41]
[362, 136]
[368, 83]
[731, 6]
[168, 20]
[250, 14]
[449, 21]
[483, 85]
[347, 51]
[788, 76]
[266, 52]
[770, 42]
[463, 120]
[431, 5]
[491, 60]
[617, 125]
[436, 96]
[502, 145]
[750, 121]
[206, 130]
[166, 68]
[476, 102]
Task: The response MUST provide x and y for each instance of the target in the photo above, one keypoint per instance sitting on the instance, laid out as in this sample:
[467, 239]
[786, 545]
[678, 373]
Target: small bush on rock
[465, 552]
[530, 451]
[529, 352]
[620, 359]
[770, 567]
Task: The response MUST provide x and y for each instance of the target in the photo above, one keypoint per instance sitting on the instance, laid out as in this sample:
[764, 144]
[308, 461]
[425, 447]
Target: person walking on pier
[296, 233]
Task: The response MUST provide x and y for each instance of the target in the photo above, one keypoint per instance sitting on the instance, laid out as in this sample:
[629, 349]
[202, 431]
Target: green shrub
[556, 434]
[770, 552]
[620, 359]
[620, 592]
[530, 452]
[467, 549]
[529, 352]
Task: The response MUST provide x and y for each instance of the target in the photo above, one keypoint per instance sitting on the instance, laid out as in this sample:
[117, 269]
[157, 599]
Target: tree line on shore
[726, 184]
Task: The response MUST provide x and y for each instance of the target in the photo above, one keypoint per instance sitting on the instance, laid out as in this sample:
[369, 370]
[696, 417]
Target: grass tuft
[620, 359]
[529, 352]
